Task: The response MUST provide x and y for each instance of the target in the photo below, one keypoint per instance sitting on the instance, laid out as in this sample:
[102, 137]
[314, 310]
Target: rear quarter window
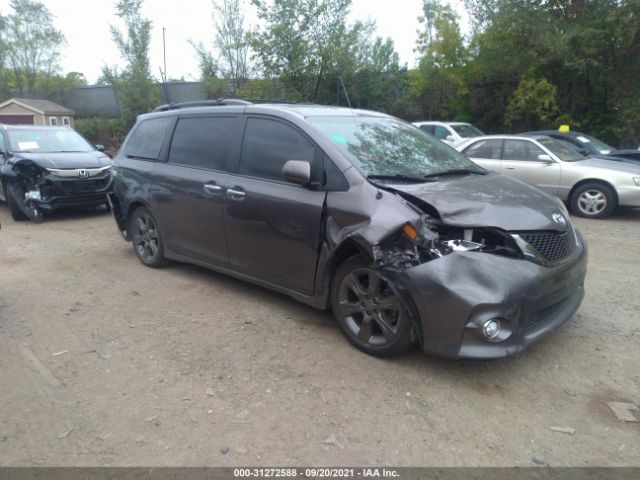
[148, 137]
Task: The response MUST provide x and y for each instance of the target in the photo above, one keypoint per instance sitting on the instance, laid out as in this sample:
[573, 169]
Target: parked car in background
[588, 145]
[404, 238]
[594, 187]
[47, 168]
[449, 132]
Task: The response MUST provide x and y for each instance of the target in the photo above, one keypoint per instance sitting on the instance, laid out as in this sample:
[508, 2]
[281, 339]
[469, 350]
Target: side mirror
[450, 138]
[543, 157]
[100, 148]
[297, 171]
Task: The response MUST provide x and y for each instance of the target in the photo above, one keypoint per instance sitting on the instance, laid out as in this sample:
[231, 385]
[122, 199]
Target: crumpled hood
[93, 159]
[487, 201]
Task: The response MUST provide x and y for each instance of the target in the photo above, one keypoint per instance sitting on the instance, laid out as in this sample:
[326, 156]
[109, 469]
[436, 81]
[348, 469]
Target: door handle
[235, 193]
[211, 188]
[509, 168]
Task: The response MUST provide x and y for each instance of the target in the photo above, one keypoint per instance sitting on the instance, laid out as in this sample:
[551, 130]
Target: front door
[272, 226]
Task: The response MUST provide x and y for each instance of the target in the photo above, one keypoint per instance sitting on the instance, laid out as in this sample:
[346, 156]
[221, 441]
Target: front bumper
[56, 192]
[453, 296]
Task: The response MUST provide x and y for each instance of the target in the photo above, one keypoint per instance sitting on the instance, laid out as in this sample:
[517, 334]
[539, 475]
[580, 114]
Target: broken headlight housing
[429, 239]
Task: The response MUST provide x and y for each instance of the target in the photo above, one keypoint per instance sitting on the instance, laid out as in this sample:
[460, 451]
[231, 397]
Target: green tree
[30, 43]
[232, 41]
[532, 105]
[135, 87]
[298, 41]
[439, 82]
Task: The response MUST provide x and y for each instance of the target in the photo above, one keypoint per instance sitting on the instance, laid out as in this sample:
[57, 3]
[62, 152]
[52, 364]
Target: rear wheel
[146, 239]
[368, 311]
[593, 200]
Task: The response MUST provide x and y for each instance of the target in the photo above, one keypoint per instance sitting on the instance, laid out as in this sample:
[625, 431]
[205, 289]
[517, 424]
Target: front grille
[88, 186]
[554, 247]
[540, 317]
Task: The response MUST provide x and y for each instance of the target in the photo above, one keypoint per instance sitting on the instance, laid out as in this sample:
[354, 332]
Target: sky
[85, 24]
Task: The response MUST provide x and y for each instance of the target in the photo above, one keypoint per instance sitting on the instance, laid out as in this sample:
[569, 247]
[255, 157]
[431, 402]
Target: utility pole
[164, 53]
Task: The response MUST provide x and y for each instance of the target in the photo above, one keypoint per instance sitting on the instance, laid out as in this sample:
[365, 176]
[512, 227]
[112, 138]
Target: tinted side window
[202, 142]
[147, 139]
[441, 132]
[521, 150]
[268, 145]
[333, 179]
[485, 149]
[427, 128]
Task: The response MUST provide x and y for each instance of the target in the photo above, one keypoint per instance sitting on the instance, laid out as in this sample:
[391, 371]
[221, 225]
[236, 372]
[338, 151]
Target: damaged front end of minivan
[472, 290]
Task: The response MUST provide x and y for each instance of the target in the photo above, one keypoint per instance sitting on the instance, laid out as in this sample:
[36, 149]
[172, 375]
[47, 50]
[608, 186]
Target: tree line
[524, 64]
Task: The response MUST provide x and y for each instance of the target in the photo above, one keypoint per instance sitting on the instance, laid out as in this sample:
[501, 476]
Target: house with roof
[31, 111]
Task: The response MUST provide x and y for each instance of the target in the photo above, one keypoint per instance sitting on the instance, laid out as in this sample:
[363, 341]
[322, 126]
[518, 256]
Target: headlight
[636, 180]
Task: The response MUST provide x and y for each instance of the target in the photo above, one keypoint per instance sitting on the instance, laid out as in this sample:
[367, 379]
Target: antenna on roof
[346, 94]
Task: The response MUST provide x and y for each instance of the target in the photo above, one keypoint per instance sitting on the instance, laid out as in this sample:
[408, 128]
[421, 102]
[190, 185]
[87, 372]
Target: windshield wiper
[397, 176]
[457, 171]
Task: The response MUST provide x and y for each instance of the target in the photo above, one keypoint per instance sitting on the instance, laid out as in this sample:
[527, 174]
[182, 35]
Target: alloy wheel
[369, 308]
[145, 237]
[592, 202]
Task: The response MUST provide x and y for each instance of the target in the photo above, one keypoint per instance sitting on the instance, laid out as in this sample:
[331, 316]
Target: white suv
[450, 132]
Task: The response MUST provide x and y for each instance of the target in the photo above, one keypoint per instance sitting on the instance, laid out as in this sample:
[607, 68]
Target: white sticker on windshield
[28, 145]
[583, 139]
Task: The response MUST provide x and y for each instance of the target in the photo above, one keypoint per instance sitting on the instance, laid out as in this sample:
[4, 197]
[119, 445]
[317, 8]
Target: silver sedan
[593, 187]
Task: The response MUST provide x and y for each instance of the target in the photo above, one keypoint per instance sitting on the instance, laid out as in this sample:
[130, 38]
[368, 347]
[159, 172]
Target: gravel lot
[106, 362]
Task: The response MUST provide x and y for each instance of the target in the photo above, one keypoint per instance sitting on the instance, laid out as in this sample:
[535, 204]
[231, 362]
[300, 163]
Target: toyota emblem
[559, 219]
[82, 173]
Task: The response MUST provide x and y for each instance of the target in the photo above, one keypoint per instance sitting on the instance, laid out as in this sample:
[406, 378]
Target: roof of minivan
[302, 110]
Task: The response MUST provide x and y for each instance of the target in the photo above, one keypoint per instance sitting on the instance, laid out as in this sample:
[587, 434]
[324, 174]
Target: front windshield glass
[560, 150]
[595, 143]
[47, 141]
[467, 131]
[386, 146]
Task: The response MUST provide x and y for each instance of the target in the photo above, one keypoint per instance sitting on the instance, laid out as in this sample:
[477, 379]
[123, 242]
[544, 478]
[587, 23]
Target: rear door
[188, 189]
[520, 160]
[272, 226]
[486, 153]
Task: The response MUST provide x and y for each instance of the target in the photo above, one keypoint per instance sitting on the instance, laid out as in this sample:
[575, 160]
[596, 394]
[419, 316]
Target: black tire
[146, 239]
[593, 200]
[17, 214]
[358, 297]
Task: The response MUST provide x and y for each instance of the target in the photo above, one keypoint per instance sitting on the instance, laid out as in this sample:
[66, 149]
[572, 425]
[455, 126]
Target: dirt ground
[106, 362]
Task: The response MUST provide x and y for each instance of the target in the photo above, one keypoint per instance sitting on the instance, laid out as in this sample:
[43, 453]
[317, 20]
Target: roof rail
[272, 100]
[220, 102]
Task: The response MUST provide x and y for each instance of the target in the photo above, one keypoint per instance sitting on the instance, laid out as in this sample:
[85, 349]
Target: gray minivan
[405, 239]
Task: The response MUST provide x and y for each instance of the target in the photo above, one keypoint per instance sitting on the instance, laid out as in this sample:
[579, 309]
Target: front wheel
[593, 200]
[368, 311]
[16, 212]
[146, 239]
